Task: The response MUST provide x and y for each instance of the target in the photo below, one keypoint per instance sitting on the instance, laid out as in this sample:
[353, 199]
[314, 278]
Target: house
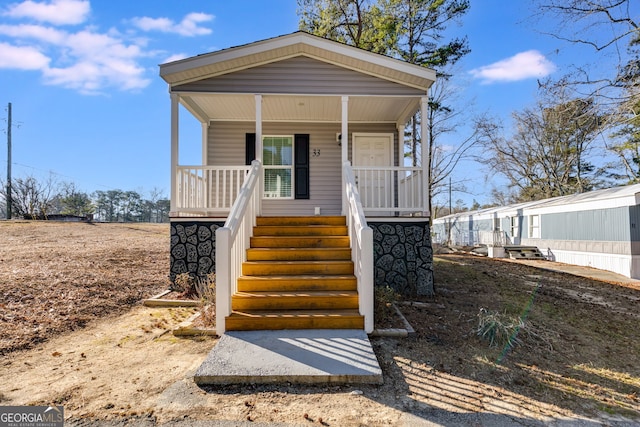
[599, 229]
[302, 200]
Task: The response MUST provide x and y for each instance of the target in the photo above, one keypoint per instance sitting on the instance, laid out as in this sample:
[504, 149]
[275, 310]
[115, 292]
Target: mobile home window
[277, 155]
[534, 226]
[514, 226]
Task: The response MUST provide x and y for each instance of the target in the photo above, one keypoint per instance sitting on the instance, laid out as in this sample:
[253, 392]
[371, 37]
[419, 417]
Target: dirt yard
[75, 334]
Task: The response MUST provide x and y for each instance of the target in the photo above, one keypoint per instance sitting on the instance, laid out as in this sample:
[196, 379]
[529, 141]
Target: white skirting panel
[621, 264]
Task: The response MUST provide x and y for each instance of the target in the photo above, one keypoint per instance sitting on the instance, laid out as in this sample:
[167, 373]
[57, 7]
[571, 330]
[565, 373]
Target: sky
[89, 107]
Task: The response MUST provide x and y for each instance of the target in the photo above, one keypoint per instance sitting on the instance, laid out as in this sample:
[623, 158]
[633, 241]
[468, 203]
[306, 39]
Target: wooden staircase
[298, 275]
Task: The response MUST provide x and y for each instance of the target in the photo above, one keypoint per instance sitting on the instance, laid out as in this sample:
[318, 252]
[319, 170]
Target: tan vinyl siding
[226, 146]
[299, 75]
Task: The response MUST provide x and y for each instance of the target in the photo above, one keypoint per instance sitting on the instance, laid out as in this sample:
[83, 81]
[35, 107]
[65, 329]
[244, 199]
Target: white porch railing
[361, 236]
[391, 189]
[202, 189]
[493, 238]
[232, 242]
[383, 190]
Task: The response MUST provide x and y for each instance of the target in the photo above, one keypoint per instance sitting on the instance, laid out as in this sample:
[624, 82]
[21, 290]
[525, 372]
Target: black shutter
[301, 166]
[250, 148]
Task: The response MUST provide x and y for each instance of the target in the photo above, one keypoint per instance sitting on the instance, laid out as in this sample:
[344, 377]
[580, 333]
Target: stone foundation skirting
[193, 248]
[402, 254]
[403, 257]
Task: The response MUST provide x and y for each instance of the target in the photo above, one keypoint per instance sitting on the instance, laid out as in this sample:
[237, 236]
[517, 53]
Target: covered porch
[385, 185]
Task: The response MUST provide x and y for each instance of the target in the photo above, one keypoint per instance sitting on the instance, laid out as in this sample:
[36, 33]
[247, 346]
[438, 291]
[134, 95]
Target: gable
[293, 45]
[296, 75]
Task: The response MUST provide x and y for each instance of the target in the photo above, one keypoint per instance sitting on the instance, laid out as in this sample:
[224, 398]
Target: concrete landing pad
[308, 356]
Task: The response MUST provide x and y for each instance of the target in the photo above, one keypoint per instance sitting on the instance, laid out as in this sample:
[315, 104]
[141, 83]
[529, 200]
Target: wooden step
[300, 242]
[523, 252]
[294, 319]
[298, 275]
[299, 283]
[311, 300]
[298, 254]
[301, 220]
[307, 230]
[296, 268]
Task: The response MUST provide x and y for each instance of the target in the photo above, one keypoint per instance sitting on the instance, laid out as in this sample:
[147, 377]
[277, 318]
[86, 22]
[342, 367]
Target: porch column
[259, 127]
[424, 152]
[175, 110]
[259, 150]
[205, 142]
[400, 128]
[344, 132]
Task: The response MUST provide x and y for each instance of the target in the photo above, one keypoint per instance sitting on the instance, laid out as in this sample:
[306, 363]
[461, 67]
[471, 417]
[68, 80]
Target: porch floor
[318, 356]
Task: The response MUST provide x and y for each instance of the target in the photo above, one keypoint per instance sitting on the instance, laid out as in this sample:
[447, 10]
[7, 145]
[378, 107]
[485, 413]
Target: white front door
[375, 186]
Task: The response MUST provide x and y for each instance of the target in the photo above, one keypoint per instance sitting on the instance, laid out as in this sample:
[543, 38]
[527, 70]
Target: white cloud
[58, 12]
[87, 60]
[524, 65]
[189, 26]
[175, 57]
[91, 78]
[38, 32]
[98, 61]
[22, 57]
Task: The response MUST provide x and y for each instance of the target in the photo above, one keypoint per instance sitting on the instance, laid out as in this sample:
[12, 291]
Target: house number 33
[316, 152]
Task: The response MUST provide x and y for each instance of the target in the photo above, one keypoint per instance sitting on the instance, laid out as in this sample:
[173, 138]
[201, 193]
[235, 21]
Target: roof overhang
[207, 106]
[291, 45]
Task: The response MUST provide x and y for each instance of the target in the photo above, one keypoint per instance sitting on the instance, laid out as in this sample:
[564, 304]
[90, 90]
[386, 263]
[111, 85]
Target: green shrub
[498, 328]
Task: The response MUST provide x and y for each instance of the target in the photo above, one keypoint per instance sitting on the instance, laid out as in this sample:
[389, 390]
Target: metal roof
[628, 195]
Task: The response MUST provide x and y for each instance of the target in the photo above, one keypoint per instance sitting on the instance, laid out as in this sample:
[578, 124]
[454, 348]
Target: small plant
[384, 297]
[205, 288]
[499, 328]
[183, 283]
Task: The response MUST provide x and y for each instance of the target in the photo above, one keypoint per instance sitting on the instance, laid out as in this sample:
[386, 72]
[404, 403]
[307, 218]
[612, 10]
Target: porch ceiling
[301, 108]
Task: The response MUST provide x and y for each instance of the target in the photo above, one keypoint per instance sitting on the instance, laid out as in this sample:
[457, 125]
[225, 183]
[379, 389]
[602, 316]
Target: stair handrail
[232, 242]
[361, 236]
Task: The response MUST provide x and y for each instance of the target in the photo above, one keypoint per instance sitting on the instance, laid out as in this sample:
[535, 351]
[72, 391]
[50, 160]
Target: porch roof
[395, 106]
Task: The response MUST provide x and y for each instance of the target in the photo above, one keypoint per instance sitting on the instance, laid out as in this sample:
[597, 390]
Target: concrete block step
[298, 254]
[300, 242]
[294, 300]
[294, 319]
[301, 220]
[523, 252]
[526, 255]
[296, 268]
[299, 283]
[331, 357]
[307, 230]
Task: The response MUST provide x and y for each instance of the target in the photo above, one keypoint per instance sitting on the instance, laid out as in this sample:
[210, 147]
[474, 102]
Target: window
[534, 226]
[514, 226]
[277, 155]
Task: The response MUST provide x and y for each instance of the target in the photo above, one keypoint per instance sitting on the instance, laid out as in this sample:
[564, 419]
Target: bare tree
[606, 26]
[32, 198]
[444, 159]
[610, 29]
[548, 154]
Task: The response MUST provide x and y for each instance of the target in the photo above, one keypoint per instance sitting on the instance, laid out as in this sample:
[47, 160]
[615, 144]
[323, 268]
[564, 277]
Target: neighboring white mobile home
[599, 229]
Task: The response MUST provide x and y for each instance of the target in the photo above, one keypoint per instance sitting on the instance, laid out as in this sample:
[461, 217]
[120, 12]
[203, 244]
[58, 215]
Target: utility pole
[450, 212]
[9, 201]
